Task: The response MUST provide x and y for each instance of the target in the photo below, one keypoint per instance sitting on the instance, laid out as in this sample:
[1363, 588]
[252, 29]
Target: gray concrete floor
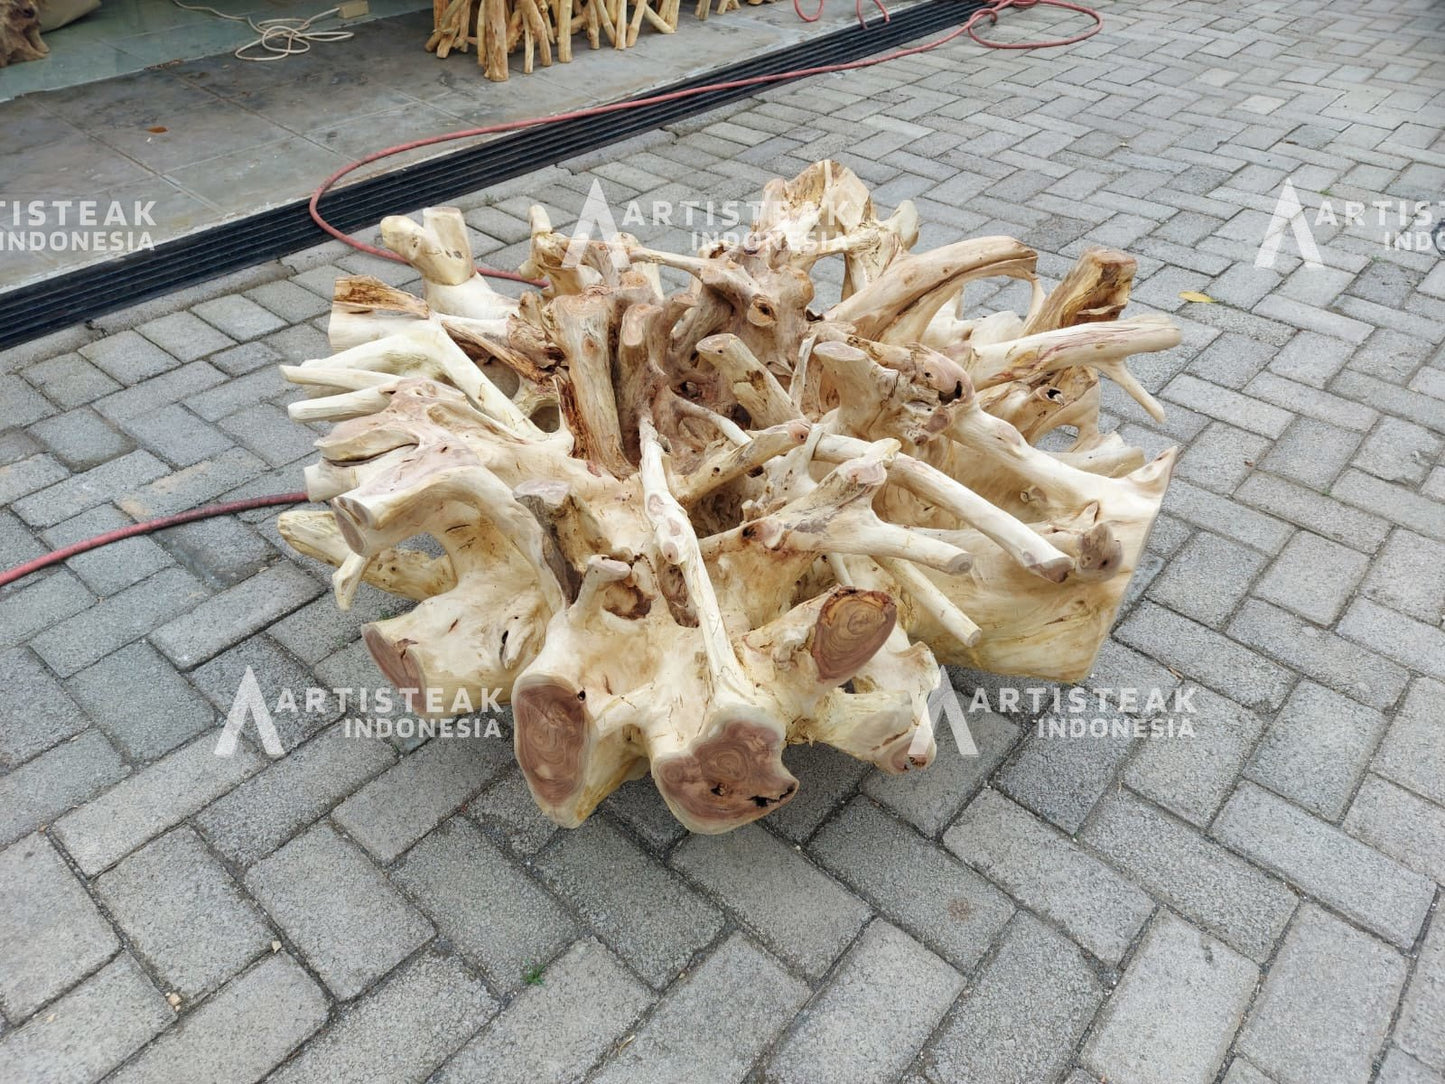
[1257, 902]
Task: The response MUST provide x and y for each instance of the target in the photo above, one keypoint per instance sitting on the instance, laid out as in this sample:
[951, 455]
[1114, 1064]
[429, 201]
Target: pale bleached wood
[681, 531]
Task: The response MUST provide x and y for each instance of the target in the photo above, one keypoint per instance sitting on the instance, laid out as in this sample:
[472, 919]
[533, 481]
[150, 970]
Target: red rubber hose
[149, 526]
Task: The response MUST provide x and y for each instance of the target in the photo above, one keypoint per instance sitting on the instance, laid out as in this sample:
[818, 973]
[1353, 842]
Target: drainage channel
[64, 300]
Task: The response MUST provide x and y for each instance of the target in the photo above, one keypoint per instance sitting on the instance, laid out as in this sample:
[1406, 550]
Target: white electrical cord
[280, 38]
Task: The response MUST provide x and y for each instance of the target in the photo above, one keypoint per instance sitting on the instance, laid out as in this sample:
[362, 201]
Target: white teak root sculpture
[684, 530]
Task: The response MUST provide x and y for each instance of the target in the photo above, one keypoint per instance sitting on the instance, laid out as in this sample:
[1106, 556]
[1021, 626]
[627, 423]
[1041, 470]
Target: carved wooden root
[682, 531]
[20, 32]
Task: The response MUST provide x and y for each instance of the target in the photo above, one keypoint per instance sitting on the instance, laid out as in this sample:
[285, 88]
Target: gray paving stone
[237, 612]
[1325, 1007]
[70, 380]
[81, 491]
[1421, 1027]
[1044, 870]
[1311, 358]
[108, 828]
[192, 486]
[1314, 512]
[338, 909]
[798, 912]
[604, 875]
[28, 475]
[1206, 579]
[238, 316]
[128, 357]
[1226, 405]
[680, 1041]
[184, 337]
[216, 403]
[1138, 1040]
[1417, 645]
[289, 301]
[1220, 457]
[75, 643]
[221, 1041]
[247, 357]
[1401, 1068]
[51, 934]
[112, 568]
[584, 1002]
[1335, 408]
[17, 544]
[508, 815]
[183, 913]
[1020, 1021]
[1201, 653]
[1201, 880]
[1061, 775]
[143, 705]
[90, 1030]
[1408, 576]
[177, 435]
[1330, 660]
[1413, 752]
[269, 432]
[319, 629]
[1230, 360]
[411, 798]
[37, 721]
[1407, 508]
[1313, 577]
[1403, 825]
[929, 800]
[825, 777]
[158, 391]
[878, 1009]
[38, 602]
[1397, 451]
[59, 779]
[81, 438]
[1359, 881]
[401, 1031]
[498, 918]
[639, 805]
[1192, 777]
[269, 808]
[916, 884]
[1311, 452]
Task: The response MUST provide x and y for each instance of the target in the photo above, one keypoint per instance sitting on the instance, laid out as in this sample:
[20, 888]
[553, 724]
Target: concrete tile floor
[1257, 904]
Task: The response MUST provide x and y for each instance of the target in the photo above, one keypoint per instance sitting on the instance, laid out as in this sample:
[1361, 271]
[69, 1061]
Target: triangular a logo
[249, 701]
[1288, 213]
[595, 215]
[943, 704]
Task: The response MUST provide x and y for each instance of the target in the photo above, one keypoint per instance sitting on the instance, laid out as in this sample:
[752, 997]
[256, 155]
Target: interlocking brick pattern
[1257, 904]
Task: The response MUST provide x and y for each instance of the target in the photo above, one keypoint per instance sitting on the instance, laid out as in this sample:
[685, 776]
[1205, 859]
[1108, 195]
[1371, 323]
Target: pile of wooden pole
[499, 28]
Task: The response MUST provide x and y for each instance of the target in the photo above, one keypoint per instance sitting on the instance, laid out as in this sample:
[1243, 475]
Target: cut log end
[727, 780]
[550, 739]
[852, 626]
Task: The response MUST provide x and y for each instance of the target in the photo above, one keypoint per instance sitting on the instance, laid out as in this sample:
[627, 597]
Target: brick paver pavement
[1255, 903]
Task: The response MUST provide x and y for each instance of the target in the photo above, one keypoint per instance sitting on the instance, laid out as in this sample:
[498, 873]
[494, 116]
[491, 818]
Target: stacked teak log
[498, 28]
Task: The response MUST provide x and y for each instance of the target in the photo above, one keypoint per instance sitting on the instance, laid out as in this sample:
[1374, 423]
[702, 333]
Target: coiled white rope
[279, 38]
